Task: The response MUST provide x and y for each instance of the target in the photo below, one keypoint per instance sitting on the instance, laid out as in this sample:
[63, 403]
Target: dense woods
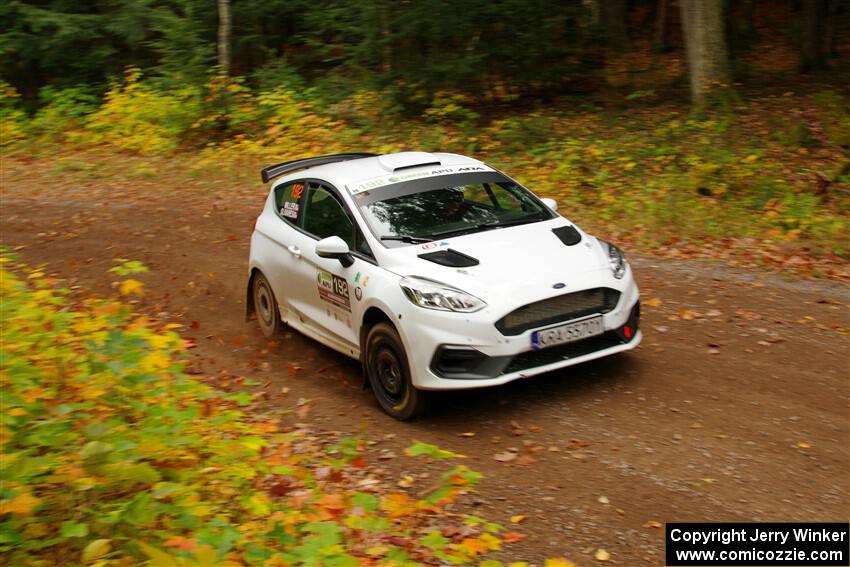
[535, 49]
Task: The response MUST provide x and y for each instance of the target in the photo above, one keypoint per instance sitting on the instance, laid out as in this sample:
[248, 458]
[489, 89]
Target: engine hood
[527, 262]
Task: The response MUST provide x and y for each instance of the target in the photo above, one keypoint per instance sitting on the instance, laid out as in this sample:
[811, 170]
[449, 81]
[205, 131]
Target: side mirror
[334, 247]
[551, 203]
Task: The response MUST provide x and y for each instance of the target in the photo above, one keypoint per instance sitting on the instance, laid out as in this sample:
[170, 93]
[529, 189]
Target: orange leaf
[396, 504]
[332, 502]
[22, 504]
[182, 543]
[513, 537]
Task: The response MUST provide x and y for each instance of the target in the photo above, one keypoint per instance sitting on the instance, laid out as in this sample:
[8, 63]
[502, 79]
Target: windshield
[426, 209]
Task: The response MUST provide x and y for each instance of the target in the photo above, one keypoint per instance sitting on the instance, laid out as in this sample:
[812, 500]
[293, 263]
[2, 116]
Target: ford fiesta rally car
[436, 271]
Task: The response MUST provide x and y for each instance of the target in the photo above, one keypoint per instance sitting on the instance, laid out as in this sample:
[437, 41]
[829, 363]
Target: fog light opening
[627, 332]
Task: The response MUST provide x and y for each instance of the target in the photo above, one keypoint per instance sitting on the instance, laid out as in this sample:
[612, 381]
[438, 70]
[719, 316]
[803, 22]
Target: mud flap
[250, 310]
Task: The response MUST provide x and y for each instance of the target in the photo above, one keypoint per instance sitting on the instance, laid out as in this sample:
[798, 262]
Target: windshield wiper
[406, 238]
[484, 226]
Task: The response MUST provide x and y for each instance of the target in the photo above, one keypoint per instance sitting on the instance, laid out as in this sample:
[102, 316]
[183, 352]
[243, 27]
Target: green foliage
[111, 455]
[418, 449]
[127, 267]
[449, 109]
[13, 120]
[135, 116]
[64, 110]
[835, 116]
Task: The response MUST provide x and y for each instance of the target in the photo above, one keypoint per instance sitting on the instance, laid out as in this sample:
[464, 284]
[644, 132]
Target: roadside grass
[113, 455]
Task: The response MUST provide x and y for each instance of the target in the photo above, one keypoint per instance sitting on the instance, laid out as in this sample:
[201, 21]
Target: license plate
[567, 333]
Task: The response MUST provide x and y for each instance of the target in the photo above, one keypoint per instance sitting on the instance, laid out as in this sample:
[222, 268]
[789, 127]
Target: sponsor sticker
[290, 210]
[397, 178]
[358, 293]
[297, 189]
[334, 290]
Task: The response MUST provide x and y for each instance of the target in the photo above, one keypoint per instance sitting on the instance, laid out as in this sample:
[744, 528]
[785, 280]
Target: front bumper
[471, 353]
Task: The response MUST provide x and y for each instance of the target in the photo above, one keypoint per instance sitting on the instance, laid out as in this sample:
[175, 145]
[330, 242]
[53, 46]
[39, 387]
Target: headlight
[615, 258]
[434, 295]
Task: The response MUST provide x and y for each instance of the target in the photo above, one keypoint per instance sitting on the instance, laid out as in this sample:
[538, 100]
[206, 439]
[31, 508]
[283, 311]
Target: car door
[285, 234]
[324, 293]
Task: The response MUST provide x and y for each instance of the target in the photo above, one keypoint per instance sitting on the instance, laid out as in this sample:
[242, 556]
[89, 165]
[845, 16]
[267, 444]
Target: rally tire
[388, 372]
[265, 305]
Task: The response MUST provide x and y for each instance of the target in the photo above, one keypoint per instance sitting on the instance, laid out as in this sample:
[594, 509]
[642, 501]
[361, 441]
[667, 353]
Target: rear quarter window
[288, 199]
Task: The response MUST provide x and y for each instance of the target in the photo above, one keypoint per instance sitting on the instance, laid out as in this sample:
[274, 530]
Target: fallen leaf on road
[559, 563]
[687, 314]
[603, 500]
[517, 429]
[577, 444]
[652, 524]
[602, 555]
[467, 434]
[406, 482]
[513, 537]
[505, 457]
[804, 445]
[131, 287]
[654, 302]
[517, 519]
[526, 460]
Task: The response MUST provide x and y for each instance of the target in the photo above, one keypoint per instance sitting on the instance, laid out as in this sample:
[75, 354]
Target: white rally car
[436, 271]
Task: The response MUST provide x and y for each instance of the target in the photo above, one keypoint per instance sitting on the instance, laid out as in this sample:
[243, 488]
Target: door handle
[294, 250]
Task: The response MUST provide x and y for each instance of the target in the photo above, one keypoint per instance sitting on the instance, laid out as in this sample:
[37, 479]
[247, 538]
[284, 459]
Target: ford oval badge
[559, 285]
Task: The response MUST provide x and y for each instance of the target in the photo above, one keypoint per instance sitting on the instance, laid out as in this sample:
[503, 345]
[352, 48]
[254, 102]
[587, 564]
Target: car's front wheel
[389, 374]
[265, 306]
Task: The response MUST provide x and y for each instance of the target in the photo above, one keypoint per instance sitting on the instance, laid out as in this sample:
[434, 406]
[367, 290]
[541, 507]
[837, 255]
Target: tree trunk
[224, 36]
[614, 20]
[705, 42]
[831, 27]
[811, 49]
[659, 41]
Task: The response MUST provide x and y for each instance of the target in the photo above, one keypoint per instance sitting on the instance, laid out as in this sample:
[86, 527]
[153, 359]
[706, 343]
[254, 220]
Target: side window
[287, 199]
[324, 216]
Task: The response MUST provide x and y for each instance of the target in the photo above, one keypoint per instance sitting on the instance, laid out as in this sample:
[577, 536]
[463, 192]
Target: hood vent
[451, 258]
[568, 235]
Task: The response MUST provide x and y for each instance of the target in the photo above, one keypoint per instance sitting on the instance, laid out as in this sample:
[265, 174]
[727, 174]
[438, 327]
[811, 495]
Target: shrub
[63, 110]
[136, 116]
[13, 120]
[111, 455]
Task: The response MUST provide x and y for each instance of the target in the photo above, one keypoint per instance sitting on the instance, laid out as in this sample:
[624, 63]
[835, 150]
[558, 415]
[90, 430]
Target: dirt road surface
[735, 408]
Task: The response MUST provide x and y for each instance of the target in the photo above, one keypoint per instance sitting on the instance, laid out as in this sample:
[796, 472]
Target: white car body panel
[518, 265]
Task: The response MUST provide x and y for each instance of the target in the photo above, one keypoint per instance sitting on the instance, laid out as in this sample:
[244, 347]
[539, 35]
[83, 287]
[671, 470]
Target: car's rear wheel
[265, 306]
[389, 374]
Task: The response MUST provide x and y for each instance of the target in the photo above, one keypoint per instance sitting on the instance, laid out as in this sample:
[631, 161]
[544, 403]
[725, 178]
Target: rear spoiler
[273, 171]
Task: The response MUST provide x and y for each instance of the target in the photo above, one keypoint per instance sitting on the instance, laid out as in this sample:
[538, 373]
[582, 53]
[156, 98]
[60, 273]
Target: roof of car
[351, 172]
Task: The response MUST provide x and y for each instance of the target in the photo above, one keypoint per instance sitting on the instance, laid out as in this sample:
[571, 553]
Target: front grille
[535, 358]
[558, 309]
